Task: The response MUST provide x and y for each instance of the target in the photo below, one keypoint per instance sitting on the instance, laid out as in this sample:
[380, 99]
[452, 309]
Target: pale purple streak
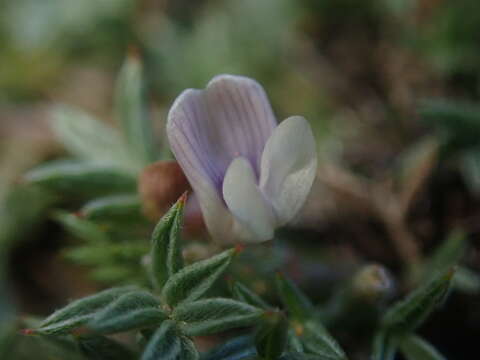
[249, 175]
[209, 128]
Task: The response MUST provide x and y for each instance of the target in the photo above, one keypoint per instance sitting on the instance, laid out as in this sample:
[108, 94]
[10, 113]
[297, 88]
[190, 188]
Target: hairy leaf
[134, 310]
[117, 208]
[80, 179]
[406, 315]
[92, 140]
[317, 340]
[239, 348]
[166, 252]
[81, 228]
[415, 348]
[191, 282]
[384, 347]
[298, 305]
[131, 110]
[294, 342]
[243, 293]
[271, 338]
[210, 316]
[80, 311]
[168, 344]
[65, 326]
[448, 254]
[102, 348]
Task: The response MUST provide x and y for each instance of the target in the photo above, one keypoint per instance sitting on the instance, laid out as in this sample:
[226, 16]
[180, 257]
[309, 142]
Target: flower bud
[160, 185]
[372, 283]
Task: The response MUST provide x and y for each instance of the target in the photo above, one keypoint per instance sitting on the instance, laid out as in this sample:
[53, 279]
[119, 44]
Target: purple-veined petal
[208, 128]
[289, 164]
[196, 166]
[254, 216]
[242, 119]
[231, 117]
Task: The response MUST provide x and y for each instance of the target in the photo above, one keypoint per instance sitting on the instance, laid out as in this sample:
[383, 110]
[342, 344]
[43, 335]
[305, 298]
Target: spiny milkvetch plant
[180, 307]
[249, 176]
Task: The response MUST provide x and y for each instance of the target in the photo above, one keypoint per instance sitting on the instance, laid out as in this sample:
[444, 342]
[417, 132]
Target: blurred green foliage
[38, 38]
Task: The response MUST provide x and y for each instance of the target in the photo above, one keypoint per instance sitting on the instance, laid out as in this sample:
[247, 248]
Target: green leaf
[210, 316]
[294, 342]
[405, 316]
[79, 179]
[65, 326]
[81, 228]
[168, 344]
[132, 112]
[102, 348]
[317, 340]
[103, 253]
[116, 208]
[92, 140]
[241, 347]
[384, 347]
[459, 122]
[296, 302]
[189, 351]
[271, 338]
[448, 254]
[135, 310]
[313, 335]
[80, 311]
[415, 348]
[191, 282]
[243, 293]
[166, 252]
[466, 280]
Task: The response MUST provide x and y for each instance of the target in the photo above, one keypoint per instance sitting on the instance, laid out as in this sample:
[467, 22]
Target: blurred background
[391, 88]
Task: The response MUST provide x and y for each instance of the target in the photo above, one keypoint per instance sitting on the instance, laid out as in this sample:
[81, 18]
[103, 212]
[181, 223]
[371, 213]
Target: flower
[249, 175]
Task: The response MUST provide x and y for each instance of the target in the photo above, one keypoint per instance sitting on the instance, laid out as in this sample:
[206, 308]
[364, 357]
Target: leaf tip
[79, 214]
[239, 248]
[28, 332]
[183, 198]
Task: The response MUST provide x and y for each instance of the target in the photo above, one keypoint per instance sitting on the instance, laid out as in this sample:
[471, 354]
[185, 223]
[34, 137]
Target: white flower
[250, 176]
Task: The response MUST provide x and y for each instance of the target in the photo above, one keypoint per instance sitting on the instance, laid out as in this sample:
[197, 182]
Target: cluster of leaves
[180, 306]
[102, 177]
